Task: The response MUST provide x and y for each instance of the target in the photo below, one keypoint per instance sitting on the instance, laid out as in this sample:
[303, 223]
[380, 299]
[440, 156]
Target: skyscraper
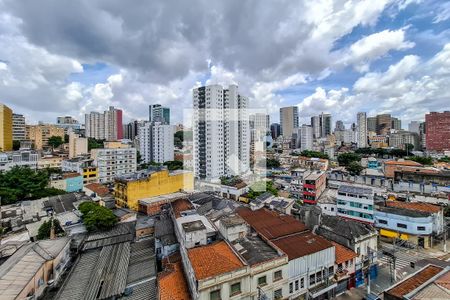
[158, 113]
[384, 124]
[220, 132]
[414, 126]
[339, 126]
[288, 120]
[315, 124]
[156, 142]
[6, 128]
[321, 125]
[105, 126]
[372, 124]
[19, 132]
[396, 123]
[306, 137]
[437, 131]
[275, 130]
[361, 119]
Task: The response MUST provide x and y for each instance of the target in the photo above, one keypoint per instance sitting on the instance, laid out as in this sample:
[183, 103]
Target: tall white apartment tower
[221, 132]
[306, 137]
[156, 142]
[361, 120]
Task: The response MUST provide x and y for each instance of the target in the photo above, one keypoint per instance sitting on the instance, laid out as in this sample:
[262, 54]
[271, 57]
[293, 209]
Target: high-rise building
[306, 137]
[19, 131]
[414, 126]
[423, 135]
[158, 113]
[275, 130]
[105, 126]
[6, 128]
[438, 131]
[339, 126]
[66, 120]
[259, 128]
[156, 142]
[113, 161]
[77, 145]
[220, 132]
[361, 119]
[315, 124]
[259, 121]
[372, 124]
[40, 134]
[325, 124]
[396, 123]
[288, 120]
[384, 124]
[400, 139]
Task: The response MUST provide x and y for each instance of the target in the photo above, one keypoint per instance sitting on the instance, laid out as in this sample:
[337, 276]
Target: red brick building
[437, 131]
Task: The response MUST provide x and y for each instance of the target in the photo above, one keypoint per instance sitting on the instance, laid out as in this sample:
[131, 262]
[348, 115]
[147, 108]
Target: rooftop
[165, 198]
[193, 226]
[313, 175]
[232, 220]
[172, 283]
[403, 212]
[180, 205]
[299, 245]
[269, 223]
[343, 254]
[100, 189]
[345, 228]
[213, 260]
[416, 206]
[351, 189]
[254, 250]
[411, 283]
[403, 163]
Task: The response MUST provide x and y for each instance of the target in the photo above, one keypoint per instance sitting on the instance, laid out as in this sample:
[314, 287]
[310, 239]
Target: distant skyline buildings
[105, 126]
[288, 120]
[361, 121]
[159, 113]
[321, 125]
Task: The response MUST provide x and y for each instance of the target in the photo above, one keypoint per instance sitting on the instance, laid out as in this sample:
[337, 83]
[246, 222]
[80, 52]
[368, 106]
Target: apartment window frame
[278, 294]
[421, 228]
[401, 225]
[277, 275]
[264, 277]
[216, 294]
[236, 292]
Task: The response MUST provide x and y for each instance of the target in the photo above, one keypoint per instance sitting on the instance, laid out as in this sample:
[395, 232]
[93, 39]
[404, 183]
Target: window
[262, 280]
[235, 288]
[401, 225]
[421, 228]
[277, 275]
[330, 270]
[319, 276]
[278, 294]
[291, 288]
[358, 251]
[214, 295]
[312, 279]
[296, 285]
[302, 282]
[382, 221]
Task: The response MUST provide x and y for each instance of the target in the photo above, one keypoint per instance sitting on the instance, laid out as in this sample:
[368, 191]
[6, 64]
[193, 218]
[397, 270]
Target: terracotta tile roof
[212, 260]
[299, 245]
[172, 284]
[271, 224]
[408, 285]
[70, 175]
[403, 163]
[343, 254]
[98, 188]
[181, 205]
[444, 281]
[417, 206]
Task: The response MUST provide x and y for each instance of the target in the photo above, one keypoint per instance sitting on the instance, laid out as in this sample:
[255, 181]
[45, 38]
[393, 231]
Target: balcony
[322, 288]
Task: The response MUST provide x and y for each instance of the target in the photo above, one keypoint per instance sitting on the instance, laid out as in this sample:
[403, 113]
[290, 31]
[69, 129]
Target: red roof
[403, 163]
[343, 254]
[98, 188]
[271, 224]
[70, 175]
[180, 205]
[417, 206]
[408, 285]
[213, 260]
[302, 244]
[171, 282]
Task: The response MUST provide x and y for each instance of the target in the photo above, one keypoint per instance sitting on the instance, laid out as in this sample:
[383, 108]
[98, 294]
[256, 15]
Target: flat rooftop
[165, 198]
[314, 175]
[193, 226]
[351, 189]
[254, 250]
[302, 244]
[403, 212]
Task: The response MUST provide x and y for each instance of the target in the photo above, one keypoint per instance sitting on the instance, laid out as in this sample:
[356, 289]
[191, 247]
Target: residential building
[105, 126]
[392, 166]
[81, 165]
[69, 124]
[430, 282]
[28, 158]
[347, 136]
[288, 120]
[372, 124]
[314, 183]
[158, 113]
[414, 126]
[221, 132]
[306, 137]
[69, 182]
[130, 188]
[6, 128]
[28, 272]
[396, 123]
[40, 134]
[275, 130]
[49, 161]
[18, 127]
[339, 126]
[438, 131]
[156, 142]
[401, 139]
[361, 120]
[345, 262]
[77, 145]
[113, 162]
[131, 130]
[356, 203]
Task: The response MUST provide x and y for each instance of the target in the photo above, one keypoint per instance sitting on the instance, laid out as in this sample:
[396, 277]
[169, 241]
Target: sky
[341, 57]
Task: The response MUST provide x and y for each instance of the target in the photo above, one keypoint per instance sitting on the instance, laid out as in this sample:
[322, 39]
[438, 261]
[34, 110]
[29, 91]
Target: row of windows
[401, 225]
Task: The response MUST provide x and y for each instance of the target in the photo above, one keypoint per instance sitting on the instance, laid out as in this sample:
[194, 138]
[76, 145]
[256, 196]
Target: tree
[16, 145]
[261, 187]
[94, 143]
[270, 163]
[409, 148]
[426, 160]
[96, 217]
[173, 165]
[345, 159]
[354, 168]
[444, 159]
[55, 141]
[45, 228]
[309, 153]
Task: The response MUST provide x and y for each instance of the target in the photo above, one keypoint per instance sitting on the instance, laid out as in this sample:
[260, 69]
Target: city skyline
[367, 64]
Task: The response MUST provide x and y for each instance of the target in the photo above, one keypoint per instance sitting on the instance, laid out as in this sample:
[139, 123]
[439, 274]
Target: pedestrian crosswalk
[401, 261]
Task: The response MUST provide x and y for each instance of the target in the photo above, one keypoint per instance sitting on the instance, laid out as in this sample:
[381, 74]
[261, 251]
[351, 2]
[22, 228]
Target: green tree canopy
[317, 154]
[55, 141]
[426, 160]
[96, 217]
[174, 165]
[354, 168]
[345, 159]
[94, 143]
[258, 188]
[45, 228]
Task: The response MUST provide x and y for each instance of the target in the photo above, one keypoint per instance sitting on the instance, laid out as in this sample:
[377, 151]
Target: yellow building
[6, 143]
[90, 174]
[129, 189]
[39, 134]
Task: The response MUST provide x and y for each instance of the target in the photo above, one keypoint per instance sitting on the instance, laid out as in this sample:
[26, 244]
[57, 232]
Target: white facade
[355, 203]
[406, 224]
[114, 162]
[20, 158]
[221, 132]
[77, 145]
[156, 142]
[104, 126]
[18, 127]
[361, 129]
[306, 136]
